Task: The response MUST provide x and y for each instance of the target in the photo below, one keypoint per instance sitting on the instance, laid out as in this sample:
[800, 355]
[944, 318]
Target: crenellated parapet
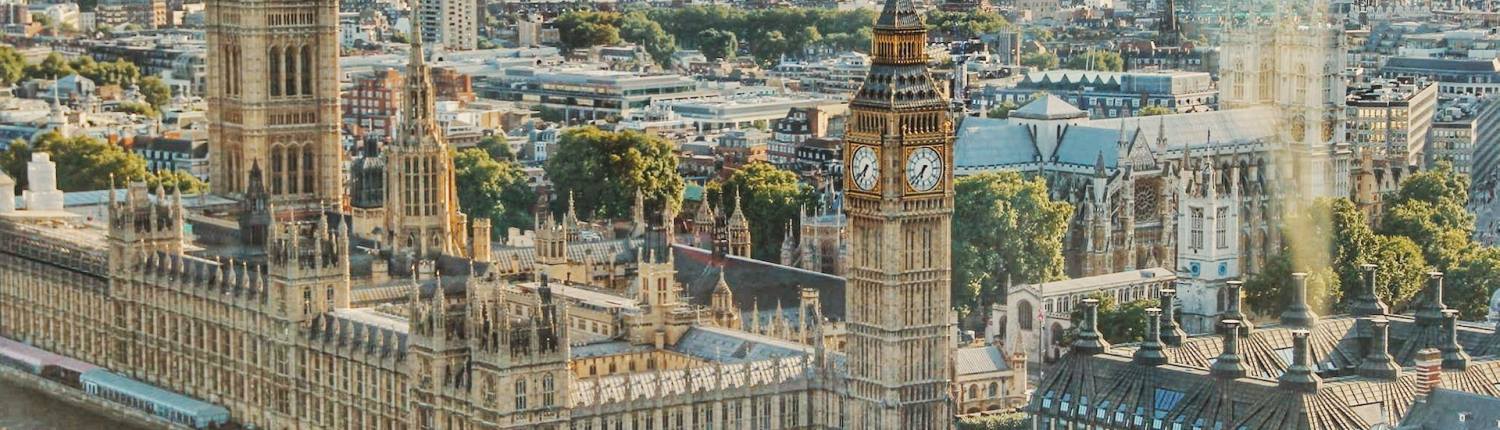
[232, 280]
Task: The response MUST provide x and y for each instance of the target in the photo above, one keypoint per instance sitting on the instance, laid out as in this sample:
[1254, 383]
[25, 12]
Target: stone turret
[703, 226]
[1454, 357]
[1171, 333]
[1150, 353]
[1230, 365]
[1299, 315]
[1234, 289]
[1379, 364]
[140, 225]
[1089, 340]
[308, 263]
[1299, 376]
[1368, 302]
[739, 231]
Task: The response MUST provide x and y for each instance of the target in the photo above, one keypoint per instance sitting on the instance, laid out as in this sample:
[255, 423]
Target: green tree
[604, 170]
[176, 180]
[118, 72]
[497, 147]
[83, 163]
[1269, 292]
[136, 108]
[587, 28]
[1040, 60]
[717, 44]
[965, 25]
[1429, 209]
[1470, 284]
[494, 190]
[1154, 110]
[52, 67]
[155, 91]
[1002, 111]
[1011, 231]
[1108, 61]
[12, 66]
[770, 197]
[639, 29]
[1118, 322]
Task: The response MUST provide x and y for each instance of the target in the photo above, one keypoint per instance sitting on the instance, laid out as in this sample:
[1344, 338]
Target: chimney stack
[1429, 373]
[1234, 312]
[1431, 312]
[1300, 376]
[1379, 364]
[1368, 303]
[1089, 341]
[1150, 353]
[1171, 333]
[1299, 315]
[1454, 357]
[1228, 365]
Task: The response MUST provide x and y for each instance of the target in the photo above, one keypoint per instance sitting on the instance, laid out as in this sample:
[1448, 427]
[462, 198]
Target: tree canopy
[1108, 61]
[494, 190]
[83, 163]
[1011, 230]
[965, 25]
[155, 91]
[587, 28]
[769, 196]
[1040, 60]
[1118, 322]
[603, 170]
[637, 28]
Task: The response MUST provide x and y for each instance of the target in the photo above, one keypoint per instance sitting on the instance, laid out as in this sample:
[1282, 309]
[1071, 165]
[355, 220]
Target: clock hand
[922, 171]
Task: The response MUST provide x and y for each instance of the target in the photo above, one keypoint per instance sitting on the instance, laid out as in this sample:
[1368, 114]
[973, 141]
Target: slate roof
[733, 346]
[1443, 64]
[977, 360]
[1048, 106]
[1109, 389]
[755, 282]
[1451, 409]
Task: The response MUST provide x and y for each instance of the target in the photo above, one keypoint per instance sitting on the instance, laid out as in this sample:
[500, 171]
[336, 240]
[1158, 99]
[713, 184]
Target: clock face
[924, 169]
[865, 168]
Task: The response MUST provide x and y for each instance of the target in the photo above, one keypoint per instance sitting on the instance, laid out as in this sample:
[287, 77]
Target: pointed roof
[900, 14]
[1048, 107]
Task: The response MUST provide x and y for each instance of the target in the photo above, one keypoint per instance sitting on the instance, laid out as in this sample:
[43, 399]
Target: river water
[24, 409]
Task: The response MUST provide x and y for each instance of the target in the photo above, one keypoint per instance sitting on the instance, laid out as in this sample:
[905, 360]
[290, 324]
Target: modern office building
[1392, 119]
[583, 94]
[1108, 94]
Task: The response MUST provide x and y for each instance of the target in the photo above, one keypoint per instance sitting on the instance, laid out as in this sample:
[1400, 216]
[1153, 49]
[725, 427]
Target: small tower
[739, 231]
[725, 313]
[703, 226]
[789, 247]
[139, 226]
[307, 265]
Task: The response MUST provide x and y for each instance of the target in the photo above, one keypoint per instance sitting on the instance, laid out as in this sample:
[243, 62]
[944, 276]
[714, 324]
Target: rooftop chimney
[1429, 373]
[1234, 312]
[1150, 353]
[1089, 341]
[1171, 333]
[1300, 376]
[1298, 314]
[1431, 312]
[1368, 303]
[1378, 364]
[1228, 365]
[1454, 357]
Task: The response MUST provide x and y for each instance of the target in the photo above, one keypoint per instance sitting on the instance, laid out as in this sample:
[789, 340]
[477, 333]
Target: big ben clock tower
[899, 183]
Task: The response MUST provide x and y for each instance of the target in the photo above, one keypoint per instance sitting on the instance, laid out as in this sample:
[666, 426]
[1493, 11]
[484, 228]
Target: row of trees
[1424, 227]
[85, 163]
[14, 69]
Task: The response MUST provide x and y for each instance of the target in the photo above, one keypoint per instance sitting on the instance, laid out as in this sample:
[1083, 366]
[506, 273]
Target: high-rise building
[899, 149]
[450, 24]
[273, 98]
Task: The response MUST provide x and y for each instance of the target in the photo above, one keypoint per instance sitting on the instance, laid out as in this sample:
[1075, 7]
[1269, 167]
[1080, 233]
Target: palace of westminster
[296, 303]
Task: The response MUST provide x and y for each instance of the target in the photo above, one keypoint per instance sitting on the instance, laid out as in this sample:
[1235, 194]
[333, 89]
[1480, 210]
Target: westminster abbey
[276, 300]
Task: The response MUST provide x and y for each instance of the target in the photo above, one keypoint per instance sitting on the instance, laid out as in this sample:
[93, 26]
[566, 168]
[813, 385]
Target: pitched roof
[754, 282]
[978, 359]
[1048, 106]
